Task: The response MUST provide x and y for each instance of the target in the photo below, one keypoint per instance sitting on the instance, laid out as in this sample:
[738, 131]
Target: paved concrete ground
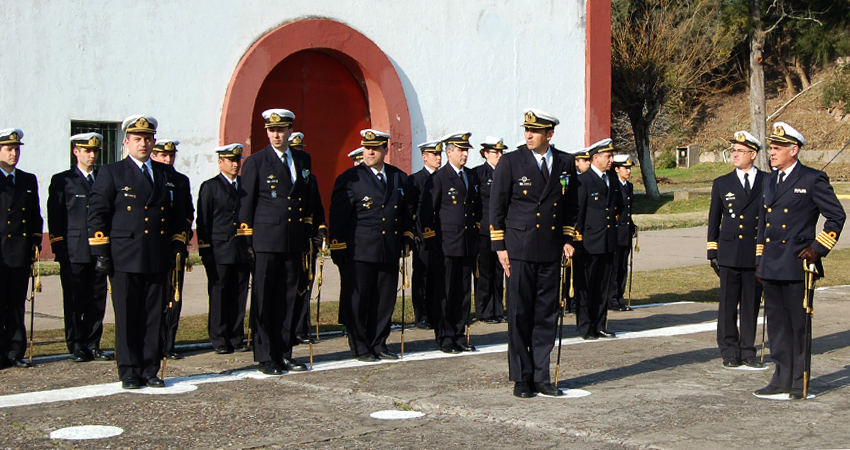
[660, 389]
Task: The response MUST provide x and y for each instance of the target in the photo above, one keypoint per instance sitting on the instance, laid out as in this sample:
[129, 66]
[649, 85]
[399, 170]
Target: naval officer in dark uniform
[83, 289]
[600, 203]
[135, 233]
[794, 197]
[274, 222]
[165, 152]
[20, 236]
[533, 208]
[225, 257]
[418, 184]
[733, 217]
[450, 208]
[625, 232]
[582, 161]
[489, 307]
[369, 230]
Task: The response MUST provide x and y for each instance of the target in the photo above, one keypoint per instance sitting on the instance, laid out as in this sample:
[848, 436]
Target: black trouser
[139, 302]
[532, 319]
[274, 305]
[14, 282]
[303, 327]
[227, 286]
[452, 278]
[490, 282]
[369, 312]
[422, 286]
[172, 312]
[618, 280]
[786, 329]
[84, 301]
[593, 310]
[738, 287]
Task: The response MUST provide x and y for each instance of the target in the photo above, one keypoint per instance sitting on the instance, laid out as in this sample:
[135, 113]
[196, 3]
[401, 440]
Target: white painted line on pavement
[391, 414]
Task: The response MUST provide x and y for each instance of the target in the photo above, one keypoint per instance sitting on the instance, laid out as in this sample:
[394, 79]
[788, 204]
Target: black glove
[809, 254]
[715, 266]
[320, 236]
[104, 265]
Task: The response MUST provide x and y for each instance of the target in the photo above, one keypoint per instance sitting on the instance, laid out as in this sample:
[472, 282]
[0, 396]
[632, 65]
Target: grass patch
[698, 202]
[649, 222]
[700, 175]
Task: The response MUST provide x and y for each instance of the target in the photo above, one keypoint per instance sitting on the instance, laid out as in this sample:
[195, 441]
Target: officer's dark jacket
[67, 213]
[733, 220]
[599, 208]
[417, 184]
[449, 212]
[530, 220]
[625, 225]
[133, 221]
[218, 220]
[368, 221]
[181, 195]
[275, 215]
[20, 221]
[485, 184]
[788, 221]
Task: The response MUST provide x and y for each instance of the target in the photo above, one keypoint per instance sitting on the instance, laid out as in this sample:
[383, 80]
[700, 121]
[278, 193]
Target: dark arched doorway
[330, 108]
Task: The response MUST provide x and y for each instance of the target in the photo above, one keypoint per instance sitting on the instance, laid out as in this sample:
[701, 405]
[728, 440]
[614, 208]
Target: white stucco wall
[464, 65]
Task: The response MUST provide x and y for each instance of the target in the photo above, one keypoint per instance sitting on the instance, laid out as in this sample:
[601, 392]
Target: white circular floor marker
[396, 415]
[755, 369]
[568, 393]
[780, 397]
[86, 432]
[176, 388]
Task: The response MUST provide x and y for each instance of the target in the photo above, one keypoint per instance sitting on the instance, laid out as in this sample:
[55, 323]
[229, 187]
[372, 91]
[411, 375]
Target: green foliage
[836, 91]
[666, 160]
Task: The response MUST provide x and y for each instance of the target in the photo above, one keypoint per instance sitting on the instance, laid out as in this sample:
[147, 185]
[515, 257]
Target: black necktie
[10, 179]
[544, 170]
[381, 179]
[781, 179]
[747, 188]
[235, 188]
[90, 179]
[147, 174]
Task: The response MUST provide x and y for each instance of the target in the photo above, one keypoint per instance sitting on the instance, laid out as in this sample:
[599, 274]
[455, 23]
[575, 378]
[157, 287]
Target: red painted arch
[597, 72]
[363, 58]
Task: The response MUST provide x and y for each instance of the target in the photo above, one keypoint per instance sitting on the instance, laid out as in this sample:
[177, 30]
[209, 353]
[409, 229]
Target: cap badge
[779, 131]
[465, 137]
[94, 141]
[740, 137]
[439, 147]
[237, 151]
[305, 173]
[169, 146]
[530, 117]
[142, 123]
[13, 136]
[369, 135]
[274, 118]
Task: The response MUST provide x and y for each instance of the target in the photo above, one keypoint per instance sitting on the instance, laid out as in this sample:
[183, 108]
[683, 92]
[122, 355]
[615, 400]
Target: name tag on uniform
[595, 195]
[80, 196]
[730, 196]
[129, 195]
[524, 181]
[799, 191]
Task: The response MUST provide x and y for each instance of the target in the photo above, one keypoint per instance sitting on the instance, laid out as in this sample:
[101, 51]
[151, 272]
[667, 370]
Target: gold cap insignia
[13, 136]
[500, 146]
[740, 137]
[237, 151]
[439, 147]
[530, 117]
[297, 141]
[169, 146]
[465, 137]
[94, 141]
[779, 131]
[274, 118]
[369, 135]
[142, 123]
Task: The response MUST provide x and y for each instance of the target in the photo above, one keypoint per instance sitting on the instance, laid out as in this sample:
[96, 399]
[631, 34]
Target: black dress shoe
[590, 337]
[80, 356]
[796, 394]
[523, 390]
[548, 389]
[22, 363]
[154, 382]
[305, 339]
[368, 357]
[424, 325]
[387, 355]
[605, 334]
[621, 307]
[99, 355]
[451, 349]
[731, 361]
[466, 348]
[492, 320]
[172, 355]
[222, 350]
[130, 383]
[503, 319]
[270, 368]
[773, 390]
[241, 348]
[753, 361]
[293, 365]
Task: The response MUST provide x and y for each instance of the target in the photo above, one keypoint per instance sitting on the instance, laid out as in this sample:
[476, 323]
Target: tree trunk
[801, 73]
[758, 116]
[640, 128]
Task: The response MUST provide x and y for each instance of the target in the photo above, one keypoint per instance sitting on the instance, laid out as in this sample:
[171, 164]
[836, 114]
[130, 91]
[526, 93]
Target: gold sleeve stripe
[308, 220]
[203, 245]
[408, 234]
[336, 245]
[245, 230]
[428, 233]
[179, 237]
[477, 224]
[569, 231]
[496, 235]
[322, 226]
[712, 245]
[759, 249]
[56, 239]
[99, 239]
[828, 240]
[577, 236]
[36, 234]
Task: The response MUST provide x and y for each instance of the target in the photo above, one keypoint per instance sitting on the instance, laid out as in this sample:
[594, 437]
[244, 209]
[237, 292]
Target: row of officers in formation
[512, 225]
